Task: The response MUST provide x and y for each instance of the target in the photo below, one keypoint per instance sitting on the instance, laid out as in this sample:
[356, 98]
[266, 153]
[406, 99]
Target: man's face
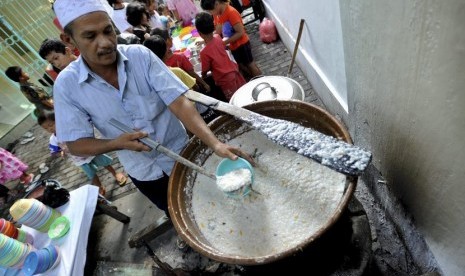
[94, 36]
[60, 60]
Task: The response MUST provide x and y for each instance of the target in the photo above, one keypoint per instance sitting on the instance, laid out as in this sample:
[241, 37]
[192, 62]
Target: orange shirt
[232, 16]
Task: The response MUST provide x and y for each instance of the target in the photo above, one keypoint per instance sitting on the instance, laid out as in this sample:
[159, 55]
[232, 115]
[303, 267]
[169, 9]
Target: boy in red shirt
[215, 59]
[239, 41]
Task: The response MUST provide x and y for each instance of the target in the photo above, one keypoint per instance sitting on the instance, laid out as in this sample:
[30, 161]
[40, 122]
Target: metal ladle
[156, 146]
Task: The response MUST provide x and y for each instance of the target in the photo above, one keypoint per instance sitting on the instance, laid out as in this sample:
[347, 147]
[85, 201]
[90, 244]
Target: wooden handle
[296, 47]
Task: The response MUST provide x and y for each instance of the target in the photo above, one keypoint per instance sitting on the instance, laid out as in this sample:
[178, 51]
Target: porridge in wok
[294, 198]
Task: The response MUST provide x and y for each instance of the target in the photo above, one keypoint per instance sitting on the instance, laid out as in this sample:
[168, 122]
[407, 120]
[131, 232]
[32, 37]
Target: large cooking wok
[182, 179]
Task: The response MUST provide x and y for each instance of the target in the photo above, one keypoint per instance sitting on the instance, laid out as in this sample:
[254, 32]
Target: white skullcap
[69, 10]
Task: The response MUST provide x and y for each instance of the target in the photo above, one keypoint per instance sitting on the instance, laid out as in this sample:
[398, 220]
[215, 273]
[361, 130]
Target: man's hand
[92, 146]
[130, 141]
[227, 151]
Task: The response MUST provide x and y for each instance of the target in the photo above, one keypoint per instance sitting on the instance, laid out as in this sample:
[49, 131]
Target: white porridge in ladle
[295, 196]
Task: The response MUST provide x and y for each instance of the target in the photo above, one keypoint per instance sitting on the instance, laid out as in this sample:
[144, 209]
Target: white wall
[405, 64]
[321, 54]
[405, 80]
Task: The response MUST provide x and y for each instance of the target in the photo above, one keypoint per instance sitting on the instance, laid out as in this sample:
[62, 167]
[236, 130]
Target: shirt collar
[85, 72]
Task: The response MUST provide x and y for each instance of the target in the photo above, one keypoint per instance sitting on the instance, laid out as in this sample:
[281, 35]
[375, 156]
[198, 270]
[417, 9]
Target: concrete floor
[398, 249]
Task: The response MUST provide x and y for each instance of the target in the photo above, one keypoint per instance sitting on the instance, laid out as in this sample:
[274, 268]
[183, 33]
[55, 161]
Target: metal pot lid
[268, 88]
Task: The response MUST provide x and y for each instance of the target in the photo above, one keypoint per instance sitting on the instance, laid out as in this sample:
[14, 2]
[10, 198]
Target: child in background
[12, 168]
[56, 53]
[157, 45]
[177, 59]
[214, 57]
[154, 19]
[89, 164]
[35, 94]
[238, 41]
[138, 16]
[165, 17]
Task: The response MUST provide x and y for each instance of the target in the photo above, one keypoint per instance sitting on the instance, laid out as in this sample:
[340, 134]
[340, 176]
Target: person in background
[178, 59]
[157, 45]
[35, 94]
[154, 19]
[56, 53]
[184, 10]
[214, 57]
[166, 17]
[11, 168]
[119, 15]
[137, 16]
[238, 41]
[88, 164]
[125, 35]
[130, 84]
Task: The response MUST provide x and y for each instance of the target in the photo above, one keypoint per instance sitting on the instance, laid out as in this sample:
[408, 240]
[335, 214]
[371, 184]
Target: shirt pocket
[149, 107]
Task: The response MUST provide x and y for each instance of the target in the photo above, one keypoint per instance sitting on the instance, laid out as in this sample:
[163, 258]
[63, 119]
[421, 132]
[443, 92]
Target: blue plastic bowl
[227, 165]
[31, 264]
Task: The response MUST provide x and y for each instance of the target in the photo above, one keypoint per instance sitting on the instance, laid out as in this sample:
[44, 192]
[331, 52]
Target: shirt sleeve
[234, 17]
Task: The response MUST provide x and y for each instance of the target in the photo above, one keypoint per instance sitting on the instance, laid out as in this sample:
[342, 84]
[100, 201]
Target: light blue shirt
[146, 87]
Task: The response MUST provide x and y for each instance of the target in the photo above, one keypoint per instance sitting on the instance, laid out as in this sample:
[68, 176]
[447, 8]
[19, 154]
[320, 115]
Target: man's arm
[93, 146]
[186, 112]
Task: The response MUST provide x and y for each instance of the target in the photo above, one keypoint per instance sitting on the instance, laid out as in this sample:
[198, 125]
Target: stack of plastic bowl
[13, 252]
[9, 229]
[33, 213]
[41, 260]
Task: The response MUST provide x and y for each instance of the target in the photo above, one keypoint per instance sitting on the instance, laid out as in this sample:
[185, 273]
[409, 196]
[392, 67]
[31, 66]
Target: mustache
[106, 51]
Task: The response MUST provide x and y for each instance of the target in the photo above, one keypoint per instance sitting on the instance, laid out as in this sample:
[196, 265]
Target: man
[128, 83]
